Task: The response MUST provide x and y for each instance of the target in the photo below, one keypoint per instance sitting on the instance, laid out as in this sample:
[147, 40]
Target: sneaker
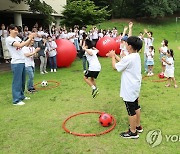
[19, 103]
[45, 72]
[54, 70]
[176, 86]
[27, 98]
[139, 129]
[152, 73]
[95, 92]
[148, 74]
[51, 70]
[42, 73]
[129, 134]
[167, 85]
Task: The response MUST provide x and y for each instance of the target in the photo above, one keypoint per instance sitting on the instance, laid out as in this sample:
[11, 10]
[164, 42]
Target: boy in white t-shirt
[130, 66]
[14, 45]
[94, 66]
[29, 52]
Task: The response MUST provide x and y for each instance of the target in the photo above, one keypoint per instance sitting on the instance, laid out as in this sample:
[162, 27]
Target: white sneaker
[51, 70]
[152, 73]
[42, 73]
[54, 70]
[27, 98]
[148, 74]
[45, 72]
[19, 103]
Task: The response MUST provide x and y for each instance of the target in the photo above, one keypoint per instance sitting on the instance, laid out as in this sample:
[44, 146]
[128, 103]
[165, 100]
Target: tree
[38, 6]
[83, 13]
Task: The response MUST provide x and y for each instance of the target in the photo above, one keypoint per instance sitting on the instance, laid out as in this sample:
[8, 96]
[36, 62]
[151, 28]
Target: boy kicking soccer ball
[94, 66]
[130, 66]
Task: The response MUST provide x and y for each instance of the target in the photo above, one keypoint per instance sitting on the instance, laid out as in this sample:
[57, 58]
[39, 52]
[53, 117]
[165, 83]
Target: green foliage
[83, 13]
[41, 7]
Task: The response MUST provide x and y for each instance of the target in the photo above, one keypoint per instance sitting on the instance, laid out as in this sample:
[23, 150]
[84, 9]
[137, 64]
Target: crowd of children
[128, 62]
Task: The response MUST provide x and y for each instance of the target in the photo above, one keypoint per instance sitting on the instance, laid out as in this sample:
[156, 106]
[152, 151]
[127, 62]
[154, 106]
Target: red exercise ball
[118, 43]
[105, 44]
[161, 75]
[105, 119]
[66, 52]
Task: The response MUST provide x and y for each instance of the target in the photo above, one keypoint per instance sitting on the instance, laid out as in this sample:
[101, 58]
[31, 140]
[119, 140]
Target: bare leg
[133, 123]
[88, 81]
[93, 81]
[168, 82]
[174, 80]
[138, 111]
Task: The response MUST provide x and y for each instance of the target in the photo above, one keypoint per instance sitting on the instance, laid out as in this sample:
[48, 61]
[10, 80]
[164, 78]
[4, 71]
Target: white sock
[93, 87]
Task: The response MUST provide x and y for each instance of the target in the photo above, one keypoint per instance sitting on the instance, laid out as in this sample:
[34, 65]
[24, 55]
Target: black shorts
[93, 74]
[132, 107]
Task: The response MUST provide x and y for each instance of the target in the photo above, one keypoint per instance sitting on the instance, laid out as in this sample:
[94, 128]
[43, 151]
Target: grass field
[36, 127]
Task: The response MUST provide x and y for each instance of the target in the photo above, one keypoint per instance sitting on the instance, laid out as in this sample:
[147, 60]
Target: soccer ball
[44, 83]
[105, 119]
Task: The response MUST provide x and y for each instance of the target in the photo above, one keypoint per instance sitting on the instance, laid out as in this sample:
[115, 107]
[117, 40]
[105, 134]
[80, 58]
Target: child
[163, 52]
[51, 45]
[169, 71]
[147, 42]
[43, 54]
[130, 66]
[150, 60]
[94, 66]
[29, 52]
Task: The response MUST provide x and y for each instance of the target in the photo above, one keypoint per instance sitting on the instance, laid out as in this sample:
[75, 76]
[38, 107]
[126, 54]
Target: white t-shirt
[130, 66]
[164, 50]
[29, 61]
[71, 36]
[5, 33]
[95, 35]
[52, 48]
[94, 64]
[150, 56]
[16, 53]
[171, 61]
[148, 42]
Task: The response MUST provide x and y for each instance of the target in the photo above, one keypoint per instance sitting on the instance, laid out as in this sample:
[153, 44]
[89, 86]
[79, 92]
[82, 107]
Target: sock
[93, 87]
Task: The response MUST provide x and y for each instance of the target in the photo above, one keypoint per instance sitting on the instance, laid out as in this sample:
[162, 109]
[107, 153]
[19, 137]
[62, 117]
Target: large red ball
[66, 52]
[106, 44]
[118, 43]
[105, 119]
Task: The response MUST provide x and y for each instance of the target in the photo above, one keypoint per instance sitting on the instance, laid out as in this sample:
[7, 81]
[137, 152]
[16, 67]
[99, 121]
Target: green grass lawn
[36, 127]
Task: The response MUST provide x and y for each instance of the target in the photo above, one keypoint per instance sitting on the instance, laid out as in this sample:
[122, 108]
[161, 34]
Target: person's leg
[23, 81]
[17, 83]
[45, 64]
[93, 81]
[174, 80]
[168, 82]
[30, 72]
[84, 62]
[88, 81]
[41, 64]
[133, 123]
[50, 63]
[54, 63]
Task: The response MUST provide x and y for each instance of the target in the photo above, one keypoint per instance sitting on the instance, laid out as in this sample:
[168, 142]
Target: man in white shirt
[15, 45]
[130, 66]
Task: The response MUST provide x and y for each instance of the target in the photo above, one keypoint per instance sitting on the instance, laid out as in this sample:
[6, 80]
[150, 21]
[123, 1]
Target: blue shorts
[150, 63]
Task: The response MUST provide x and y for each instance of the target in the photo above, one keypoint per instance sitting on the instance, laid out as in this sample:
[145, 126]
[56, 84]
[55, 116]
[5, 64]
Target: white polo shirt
[94, 64]
[130, 66]
[15, 52]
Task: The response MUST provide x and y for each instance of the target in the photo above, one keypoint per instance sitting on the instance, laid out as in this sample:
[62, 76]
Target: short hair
[12, 27]
[89, 43]
[135, 42]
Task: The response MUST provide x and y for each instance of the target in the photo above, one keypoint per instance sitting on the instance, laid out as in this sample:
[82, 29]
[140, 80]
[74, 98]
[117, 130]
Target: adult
[15, 45]
[4, 35]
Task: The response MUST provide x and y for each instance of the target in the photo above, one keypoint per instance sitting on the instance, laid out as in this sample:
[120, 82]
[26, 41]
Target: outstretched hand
[111, 53]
